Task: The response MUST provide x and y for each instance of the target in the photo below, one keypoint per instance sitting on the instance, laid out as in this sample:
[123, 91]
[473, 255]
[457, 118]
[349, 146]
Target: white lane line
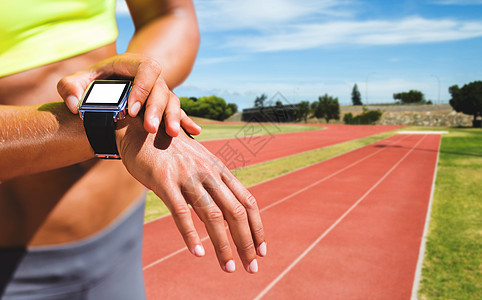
[302, 255]
[283, 199]
[421, 253]
[424, 132]
[327, 177]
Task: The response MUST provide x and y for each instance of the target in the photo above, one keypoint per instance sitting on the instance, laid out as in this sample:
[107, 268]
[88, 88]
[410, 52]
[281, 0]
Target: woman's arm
[179, 170]
[40, 138]
[166, 31]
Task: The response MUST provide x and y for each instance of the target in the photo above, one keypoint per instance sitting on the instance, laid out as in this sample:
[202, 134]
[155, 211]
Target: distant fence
[270, 114]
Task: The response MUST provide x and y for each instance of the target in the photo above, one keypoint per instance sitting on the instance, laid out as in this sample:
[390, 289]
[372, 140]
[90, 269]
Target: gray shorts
[107, 265]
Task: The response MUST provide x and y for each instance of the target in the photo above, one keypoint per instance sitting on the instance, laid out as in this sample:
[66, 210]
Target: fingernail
[262, 249]
[230, 266]
[176, 126]
[136, 107]
[155, 122]
[72, 101]
[253, 266]
[199, 250]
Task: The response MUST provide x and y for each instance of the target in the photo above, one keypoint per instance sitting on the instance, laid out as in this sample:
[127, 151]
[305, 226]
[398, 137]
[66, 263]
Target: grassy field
[452, 266]
[229, 131]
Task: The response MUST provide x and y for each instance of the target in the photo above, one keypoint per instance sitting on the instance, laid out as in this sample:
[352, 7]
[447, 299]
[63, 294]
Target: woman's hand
[181, 172]
[148, 88]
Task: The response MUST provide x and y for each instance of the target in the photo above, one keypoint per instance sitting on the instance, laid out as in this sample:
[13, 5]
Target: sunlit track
[247, 149]
[289, 143]
[318, 240]
[298, 221]
[281, 200]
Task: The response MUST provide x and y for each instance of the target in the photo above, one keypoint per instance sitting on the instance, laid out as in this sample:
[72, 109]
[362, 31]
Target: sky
[302, 49]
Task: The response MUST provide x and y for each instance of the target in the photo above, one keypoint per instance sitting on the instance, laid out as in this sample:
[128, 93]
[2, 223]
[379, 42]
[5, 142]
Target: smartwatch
[103, 103]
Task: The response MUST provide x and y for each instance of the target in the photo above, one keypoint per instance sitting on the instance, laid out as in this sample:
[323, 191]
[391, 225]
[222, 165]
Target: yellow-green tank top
[37, 32]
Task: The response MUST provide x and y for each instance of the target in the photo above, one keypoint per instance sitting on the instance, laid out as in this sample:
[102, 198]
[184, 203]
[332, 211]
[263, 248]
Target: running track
[346, 228]
[247, 149]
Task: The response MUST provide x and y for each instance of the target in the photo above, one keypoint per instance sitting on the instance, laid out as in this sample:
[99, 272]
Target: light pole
[438, 80]
[295, 93]
[366, 87]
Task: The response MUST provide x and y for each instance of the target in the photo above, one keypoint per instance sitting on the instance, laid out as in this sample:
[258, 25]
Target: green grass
[452, 266]
[155, 208]
[229, 131]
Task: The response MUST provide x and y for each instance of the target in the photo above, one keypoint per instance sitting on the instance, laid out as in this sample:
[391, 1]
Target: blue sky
[250, 47]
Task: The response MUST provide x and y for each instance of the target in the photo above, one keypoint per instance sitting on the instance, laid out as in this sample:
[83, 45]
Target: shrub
[367, 117]
[348, 118]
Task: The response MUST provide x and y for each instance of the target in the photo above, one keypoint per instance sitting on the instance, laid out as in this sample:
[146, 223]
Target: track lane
[303, 217]
[156, 249]
[246, 149]
[372, 253]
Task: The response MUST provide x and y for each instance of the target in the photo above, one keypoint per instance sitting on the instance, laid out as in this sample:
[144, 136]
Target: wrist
[129, 128]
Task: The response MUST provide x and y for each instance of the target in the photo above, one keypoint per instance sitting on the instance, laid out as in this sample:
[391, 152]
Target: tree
[233, 107]
[313, 107]
[468, 100]
[302, 110]
[356, 96]
[211, 107]
[327, 107]
[259, 101]
[412, 96]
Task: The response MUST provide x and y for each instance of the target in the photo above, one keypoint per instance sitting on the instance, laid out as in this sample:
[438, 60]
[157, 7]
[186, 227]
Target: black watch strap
[100, 130]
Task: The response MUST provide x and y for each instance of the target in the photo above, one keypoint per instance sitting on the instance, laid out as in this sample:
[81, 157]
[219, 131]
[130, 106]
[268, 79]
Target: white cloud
[386, 32]
[277, 25]
[223, 15]
[218, 60]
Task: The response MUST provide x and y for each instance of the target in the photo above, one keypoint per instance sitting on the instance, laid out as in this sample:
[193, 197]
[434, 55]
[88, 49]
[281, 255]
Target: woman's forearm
[40, 138]
[168, 33]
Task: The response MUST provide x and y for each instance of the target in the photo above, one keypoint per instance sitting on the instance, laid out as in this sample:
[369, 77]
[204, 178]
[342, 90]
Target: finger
[235, 214]
[146, 78]
[172, 115]
[72, 87]
[158, 100]
[181, 214]
[189, 125]
[251, 206]
[212, 217]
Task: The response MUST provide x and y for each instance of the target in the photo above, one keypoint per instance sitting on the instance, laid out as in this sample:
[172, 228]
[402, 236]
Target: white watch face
[103, 93]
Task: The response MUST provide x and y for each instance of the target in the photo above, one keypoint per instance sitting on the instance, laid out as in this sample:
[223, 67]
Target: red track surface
[345, 228]
[247, 149]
